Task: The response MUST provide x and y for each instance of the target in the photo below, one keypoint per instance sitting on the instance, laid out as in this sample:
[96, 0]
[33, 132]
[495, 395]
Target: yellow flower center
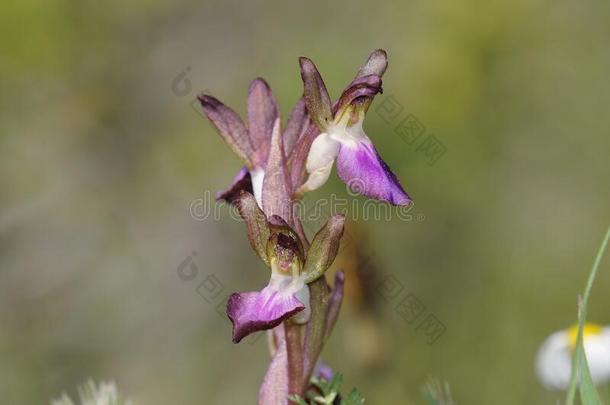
[589, 329]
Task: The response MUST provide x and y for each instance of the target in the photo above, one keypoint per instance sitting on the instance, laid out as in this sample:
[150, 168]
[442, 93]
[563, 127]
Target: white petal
[597, 349]
[320, 161]
[554, 361]
[257, 175]
[316, 179]
[289, 285]
[323, 151]
[303, 296]
[348, 135]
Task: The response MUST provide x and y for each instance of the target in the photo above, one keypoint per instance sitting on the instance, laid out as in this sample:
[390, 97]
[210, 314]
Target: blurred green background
[101, 158]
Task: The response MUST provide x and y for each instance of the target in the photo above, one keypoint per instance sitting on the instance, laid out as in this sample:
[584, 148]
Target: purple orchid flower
[264, 191]
[252, 144]
[287, 293]
[342, 136]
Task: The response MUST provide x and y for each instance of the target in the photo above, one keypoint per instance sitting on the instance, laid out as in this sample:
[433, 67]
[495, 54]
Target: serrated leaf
[335, 384]
[330, 391]
[297, 400]
[353, 398]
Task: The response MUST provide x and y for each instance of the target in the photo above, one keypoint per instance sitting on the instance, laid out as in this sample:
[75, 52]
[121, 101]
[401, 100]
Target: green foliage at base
[323, 392]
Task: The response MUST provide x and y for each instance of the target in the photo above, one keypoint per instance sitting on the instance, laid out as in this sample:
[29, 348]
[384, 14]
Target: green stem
[582, 316]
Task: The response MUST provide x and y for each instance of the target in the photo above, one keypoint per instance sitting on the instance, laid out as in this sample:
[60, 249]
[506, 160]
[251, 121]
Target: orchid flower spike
[252, 143]
[342, 136]
[554, 359]
[278, 246]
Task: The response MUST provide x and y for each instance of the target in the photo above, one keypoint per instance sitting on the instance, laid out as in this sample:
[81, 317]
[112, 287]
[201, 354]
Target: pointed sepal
[376, 64]
[229, 126]
[315, 94]
[277, 191]
[256, 224]
[263, 112]
[296, 126]
[324, 248]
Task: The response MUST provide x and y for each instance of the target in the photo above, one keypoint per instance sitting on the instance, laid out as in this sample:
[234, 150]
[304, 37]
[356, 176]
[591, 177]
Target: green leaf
[326, 393]
[580, 368]
[330, 389]
[354, 398]
[297, 400]
[335, 384]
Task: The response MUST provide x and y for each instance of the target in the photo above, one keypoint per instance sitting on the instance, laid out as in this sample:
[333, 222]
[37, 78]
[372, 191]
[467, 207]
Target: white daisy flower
[554, 359]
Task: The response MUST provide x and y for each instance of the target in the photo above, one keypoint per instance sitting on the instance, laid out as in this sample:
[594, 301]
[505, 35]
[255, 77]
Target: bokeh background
[103, 154]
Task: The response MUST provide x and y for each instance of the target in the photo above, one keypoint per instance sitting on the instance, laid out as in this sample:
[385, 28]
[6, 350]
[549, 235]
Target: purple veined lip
[261, 310]
[360, 164]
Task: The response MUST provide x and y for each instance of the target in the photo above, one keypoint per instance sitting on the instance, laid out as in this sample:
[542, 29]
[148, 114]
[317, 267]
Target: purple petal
[299, 156]
[254, 311]
[241, 182]
[296, 126]
[362, 87]
[262, 114]
[229, 126]
[366, 84]
[363, 170]
[277, 192]
[274, 389]
[315, 93]
[322, 370]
